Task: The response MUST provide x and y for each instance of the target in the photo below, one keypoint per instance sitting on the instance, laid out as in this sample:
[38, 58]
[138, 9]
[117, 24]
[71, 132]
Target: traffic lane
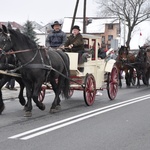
[13, 122]
[121, 128]
[14, 111]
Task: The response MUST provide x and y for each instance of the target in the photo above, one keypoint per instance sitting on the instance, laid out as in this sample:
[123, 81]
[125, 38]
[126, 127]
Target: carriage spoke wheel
[112, 83]
[42, 94]
[89, 89]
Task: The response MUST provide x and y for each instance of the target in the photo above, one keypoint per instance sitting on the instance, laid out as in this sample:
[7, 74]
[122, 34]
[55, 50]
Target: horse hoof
[43, 107]
[22, 101]
[52, 111]
[25, 108]
[2, 109]
[28, 114]
[58, 107]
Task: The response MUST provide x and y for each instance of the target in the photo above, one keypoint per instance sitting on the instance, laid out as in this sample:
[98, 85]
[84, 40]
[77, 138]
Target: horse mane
[24, 39]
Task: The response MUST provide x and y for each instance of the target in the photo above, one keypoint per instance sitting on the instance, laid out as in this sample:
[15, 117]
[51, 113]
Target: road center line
[74, 119]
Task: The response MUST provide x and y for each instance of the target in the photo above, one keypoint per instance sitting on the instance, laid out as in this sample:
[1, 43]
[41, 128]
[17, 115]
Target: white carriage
[95, 74]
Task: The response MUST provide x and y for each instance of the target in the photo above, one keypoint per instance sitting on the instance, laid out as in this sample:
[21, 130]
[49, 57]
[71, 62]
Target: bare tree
[132, 12]
[147, 41]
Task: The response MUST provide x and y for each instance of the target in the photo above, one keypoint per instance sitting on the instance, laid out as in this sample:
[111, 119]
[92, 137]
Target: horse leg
[57, 90]
[20, 96]
[120, 83]
[127, 77]
[2, 106]
[138, 79]
[147, 76]
[2, 83]
[36, 91]
[28, 105]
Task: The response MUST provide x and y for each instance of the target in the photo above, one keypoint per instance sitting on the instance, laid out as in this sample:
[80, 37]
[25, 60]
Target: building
[39, 30]
[13, 24]
[107, 28]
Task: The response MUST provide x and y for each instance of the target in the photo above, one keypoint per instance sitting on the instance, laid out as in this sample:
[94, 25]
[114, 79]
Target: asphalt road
[122, 124]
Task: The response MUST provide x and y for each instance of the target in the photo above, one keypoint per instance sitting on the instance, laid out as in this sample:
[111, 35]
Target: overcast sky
[45, 11]
[42, 10]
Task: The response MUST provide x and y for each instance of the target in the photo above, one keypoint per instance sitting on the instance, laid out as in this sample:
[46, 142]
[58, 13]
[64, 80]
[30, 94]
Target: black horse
[142, 65]
[37, 65]
[8, 62]
[123, 61]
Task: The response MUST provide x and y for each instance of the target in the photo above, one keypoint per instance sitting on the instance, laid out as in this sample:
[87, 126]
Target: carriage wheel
[89, 89]
[42, 94]
[112, 83]
[70, 93]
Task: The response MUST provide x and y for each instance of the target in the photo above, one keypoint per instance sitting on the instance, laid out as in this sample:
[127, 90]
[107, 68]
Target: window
[110, 26]
[110, 37]
[103, 39]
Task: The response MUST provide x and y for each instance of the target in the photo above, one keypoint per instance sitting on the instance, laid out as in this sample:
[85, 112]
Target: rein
[21, 66]
[14, 52]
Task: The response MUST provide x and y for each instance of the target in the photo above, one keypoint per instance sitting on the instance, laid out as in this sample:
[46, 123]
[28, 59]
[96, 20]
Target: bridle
[123, 59]
[10, 51]
[8, 38]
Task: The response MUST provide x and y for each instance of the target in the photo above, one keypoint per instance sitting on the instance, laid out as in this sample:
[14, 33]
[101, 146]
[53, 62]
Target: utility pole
[124, 23]
[84, 17]
[124, 31]
[74, 15]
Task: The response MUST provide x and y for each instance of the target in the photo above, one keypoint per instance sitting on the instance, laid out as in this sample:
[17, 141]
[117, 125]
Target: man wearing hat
[75, 40]
[57, 38]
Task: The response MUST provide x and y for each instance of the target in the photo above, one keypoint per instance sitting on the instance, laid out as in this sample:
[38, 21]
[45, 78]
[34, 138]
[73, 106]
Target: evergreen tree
[9, 25]
[29, 31]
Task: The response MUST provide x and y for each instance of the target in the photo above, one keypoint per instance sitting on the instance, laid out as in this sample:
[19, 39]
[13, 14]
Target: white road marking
[68, 121]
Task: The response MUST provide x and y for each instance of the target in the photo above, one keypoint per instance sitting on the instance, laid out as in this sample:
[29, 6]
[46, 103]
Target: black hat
[55, 23]
[76, 27]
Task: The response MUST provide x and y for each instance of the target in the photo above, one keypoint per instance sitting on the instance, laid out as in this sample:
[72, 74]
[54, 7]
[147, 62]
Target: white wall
[42, 38]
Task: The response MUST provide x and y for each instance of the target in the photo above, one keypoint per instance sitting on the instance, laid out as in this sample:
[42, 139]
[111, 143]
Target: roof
[96, 26]
[14, 25]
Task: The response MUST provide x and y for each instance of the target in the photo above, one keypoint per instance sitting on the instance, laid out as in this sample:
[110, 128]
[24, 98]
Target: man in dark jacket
[57, 38]
[75, 41]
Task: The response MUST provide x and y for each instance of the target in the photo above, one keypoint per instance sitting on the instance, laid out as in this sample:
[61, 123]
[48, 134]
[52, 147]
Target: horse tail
[66, 72]
[66, 87]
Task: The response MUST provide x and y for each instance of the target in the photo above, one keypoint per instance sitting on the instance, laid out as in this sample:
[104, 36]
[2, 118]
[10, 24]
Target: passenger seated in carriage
[57, 37]
[75, 43]
[101, 53]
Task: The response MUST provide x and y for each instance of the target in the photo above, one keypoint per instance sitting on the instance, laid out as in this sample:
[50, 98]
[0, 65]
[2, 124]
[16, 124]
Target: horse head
[5, 39]
[141, 56]
[123, 53]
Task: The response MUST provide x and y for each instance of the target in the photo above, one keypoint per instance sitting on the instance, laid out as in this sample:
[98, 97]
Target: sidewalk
[11, 94]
